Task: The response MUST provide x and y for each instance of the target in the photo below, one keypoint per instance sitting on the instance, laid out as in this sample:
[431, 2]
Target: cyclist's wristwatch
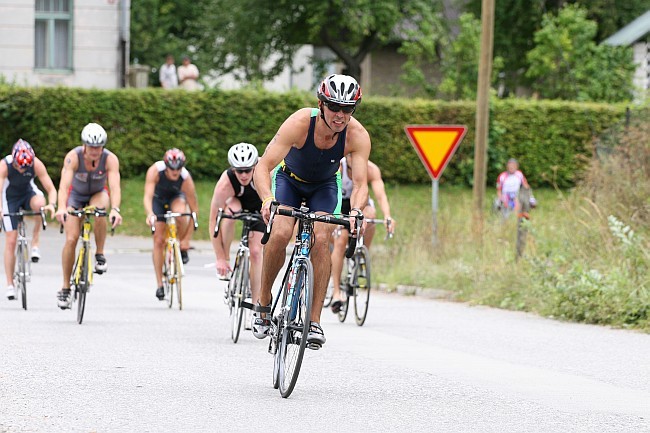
[359, 212]
[116, 209]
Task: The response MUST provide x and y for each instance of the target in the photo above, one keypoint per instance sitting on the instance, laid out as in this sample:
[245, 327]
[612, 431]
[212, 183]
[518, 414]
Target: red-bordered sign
[435, 144]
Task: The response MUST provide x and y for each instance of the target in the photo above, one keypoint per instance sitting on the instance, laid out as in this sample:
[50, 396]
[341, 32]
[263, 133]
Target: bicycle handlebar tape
[352, 245]
[267, 233]
[218, 222]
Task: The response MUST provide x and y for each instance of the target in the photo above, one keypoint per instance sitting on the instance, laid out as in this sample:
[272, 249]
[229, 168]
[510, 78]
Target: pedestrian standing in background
[188, 74]
[167, 75]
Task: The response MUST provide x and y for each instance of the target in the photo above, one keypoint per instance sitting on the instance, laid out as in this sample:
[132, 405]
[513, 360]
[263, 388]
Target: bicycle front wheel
[168, 276]
[346, 293]
[361, 285]
[237, 289]
[20, 276]
[178, 276]
[82, 286]
[296, 329]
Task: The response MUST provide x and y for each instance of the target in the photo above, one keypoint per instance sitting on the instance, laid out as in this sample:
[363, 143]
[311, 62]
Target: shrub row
[550, 138]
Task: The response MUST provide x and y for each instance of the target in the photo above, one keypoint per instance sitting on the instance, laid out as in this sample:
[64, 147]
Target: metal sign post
[434, 209]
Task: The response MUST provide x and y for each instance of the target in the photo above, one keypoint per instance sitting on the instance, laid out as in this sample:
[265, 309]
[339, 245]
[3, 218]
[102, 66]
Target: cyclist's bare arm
[378, 188]
[48, 185]
[358, 146]
[113, 176]
[222, 192]
[150, 181]
[189, 189]
[70, 166]
[292, 133]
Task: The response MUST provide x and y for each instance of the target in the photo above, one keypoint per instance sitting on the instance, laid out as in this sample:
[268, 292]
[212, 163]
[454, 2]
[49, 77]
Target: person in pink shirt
[508, 184]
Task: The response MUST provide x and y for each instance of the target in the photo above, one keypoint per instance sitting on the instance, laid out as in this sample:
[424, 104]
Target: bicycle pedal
[314, 346]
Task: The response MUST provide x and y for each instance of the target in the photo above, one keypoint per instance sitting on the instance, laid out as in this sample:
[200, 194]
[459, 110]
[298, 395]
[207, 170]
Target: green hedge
[551, 139]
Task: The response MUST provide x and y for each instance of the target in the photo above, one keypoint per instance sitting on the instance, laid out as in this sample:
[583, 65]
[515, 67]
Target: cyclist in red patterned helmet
[302, 163]
[168, 185]
[17, 174]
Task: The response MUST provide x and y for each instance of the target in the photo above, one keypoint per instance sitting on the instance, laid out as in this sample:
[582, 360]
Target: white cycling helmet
[340, 89]
[94, 135]
[242, 155]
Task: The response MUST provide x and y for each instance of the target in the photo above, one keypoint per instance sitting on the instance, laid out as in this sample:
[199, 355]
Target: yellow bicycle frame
[83, 253]
[172, 241]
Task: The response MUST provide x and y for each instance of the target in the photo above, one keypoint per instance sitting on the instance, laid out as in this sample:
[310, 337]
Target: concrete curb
[423, 292]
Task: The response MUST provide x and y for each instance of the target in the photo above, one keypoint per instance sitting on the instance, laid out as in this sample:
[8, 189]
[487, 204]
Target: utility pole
[482, 113]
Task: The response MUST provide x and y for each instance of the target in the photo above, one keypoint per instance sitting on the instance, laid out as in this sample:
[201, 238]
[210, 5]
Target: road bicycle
[82, 273]
[239, 286]
[173, 270]
[22, 268]
[290, 324]
[356, 282]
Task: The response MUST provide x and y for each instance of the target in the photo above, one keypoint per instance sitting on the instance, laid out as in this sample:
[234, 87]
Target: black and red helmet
[339, 89]
[23, 154]
[174, 159]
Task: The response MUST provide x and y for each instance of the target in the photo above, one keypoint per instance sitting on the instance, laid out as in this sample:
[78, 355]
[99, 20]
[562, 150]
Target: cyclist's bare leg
[369, 212]
[338, 255]
[72, 229]
[184, 233]
[320, 258]
[255, 245]
[100, 200]
[274, 255]
[36, 203]
[159, 239]
[10, 255]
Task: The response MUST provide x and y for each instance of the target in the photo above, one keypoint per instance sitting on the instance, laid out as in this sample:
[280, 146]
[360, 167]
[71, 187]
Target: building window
[53, 35]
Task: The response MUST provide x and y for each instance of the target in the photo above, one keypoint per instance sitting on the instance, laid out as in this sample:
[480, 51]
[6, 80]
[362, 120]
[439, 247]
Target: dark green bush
[551, 139]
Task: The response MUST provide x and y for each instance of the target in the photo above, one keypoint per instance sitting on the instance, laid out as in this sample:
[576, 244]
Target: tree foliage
[566, 63]
[257, 39]
[161, 27]
[431, 42]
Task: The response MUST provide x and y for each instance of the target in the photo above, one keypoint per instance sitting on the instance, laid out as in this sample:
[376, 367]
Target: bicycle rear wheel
[82, 285]
[178, 276]
[296, 329]
[236, 292]
[362, 285]
[346, 293]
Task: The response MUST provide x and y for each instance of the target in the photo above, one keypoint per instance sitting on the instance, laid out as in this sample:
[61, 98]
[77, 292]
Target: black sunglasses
[243, 170]
[347, 109]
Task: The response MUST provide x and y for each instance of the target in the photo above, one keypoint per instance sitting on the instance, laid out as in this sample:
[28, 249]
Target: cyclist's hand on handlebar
[356, 228]
[266, 211]
[50, 209]
[151, 220]
[390, 226]
[223, 268]
[61, 215]
[115, 218]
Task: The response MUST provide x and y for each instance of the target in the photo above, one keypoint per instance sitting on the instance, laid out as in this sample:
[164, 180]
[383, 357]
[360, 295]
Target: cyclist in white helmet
[304, 159]
[89, 173]
[235, 192]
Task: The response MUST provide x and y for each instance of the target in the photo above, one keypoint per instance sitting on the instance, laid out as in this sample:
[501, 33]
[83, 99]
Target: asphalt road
[416, 365]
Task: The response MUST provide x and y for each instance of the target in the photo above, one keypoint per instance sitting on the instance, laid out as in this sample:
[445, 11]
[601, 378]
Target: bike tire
[345, 294]
[294, 334]
[168, 276]
[82, 286]
[277, 335]
[26, 270]
[236, 293]
[362, 285]
[178, 273]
